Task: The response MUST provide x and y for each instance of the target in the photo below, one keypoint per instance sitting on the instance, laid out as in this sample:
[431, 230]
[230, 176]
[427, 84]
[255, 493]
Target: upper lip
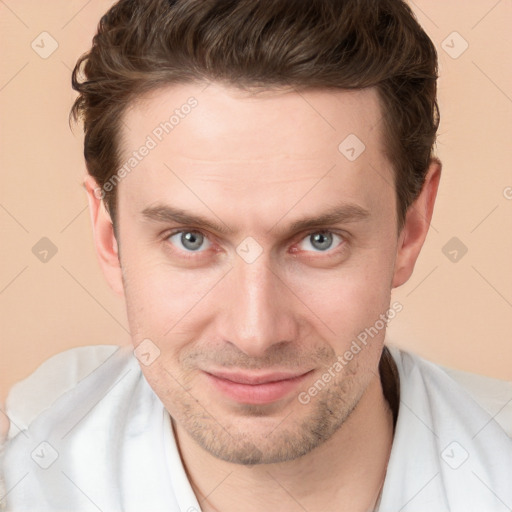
[255, 379]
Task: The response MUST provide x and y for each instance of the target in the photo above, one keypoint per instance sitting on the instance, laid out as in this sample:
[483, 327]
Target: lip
[255, 388]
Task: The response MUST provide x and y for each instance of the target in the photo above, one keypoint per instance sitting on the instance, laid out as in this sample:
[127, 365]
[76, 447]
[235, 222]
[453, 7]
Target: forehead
[223, 143]
[278, 122]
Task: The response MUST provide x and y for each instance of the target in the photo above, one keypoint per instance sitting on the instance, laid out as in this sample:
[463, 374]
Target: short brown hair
[143, 45]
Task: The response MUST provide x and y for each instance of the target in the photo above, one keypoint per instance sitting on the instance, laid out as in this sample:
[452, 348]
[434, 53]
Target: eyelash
[192, 254]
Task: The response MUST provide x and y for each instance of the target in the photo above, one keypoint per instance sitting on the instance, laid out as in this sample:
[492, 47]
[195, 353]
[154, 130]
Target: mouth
[256, 388]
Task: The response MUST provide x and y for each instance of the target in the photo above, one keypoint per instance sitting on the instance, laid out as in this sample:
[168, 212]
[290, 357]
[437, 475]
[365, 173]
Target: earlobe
[416, 225]
[105, 241]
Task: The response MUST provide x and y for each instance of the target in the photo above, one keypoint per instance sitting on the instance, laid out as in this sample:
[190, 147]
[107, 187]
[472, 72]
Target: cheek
[347, 299]
[159, 297]
[165, 302]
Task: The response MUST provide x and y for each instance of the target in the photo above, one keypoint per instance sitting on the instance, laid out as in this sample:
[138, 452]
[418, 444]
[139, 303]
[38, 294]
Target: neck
[345, 473]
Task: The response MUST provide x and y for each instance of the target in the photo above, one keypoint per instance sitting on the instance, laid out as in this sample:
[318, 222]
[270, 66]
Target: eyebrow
[343, 213]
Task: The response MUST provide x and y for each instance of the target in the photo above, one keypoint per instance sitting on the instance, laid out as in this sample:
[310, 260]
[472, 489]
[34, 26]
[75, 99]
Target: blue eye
[189, 241]
[320, 241]
[194, 241]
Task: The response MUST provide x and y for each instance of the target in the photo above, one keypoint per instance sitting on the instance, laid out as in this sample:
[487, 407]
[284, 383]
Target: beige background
[455, 313]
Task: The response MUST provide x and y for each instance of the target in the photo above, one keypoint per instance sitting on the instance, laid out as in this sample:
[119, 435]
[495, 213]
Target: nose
[258, 312]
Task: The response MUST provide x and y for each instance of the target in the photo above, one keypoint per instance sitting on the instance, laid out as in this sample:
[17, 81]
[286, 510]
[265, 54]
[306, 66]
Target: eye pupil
[191, 240]
[321, 241]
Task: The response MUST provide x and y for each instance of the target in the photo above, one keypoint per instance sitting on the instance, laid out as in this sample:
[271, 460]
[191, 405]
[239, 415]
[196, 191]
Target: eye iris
[321, 241]
[191, 240]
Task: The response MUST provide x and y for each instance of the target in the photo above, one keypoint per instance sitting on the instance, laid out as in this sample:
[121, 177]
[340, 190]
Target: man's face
[250, 311]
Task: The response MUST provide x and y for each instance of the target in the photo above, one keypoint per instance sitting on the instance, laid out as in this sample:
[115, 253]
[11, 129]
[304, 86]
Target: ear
[417, 223]
[104, 238]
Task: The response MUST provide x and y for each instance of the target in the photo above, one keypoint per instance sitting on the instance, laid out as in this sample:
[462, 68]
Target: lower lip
[256, 393]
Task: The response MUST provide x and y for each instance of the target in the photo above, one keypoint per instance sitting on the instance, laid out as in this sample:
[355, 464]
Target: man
[260, 177]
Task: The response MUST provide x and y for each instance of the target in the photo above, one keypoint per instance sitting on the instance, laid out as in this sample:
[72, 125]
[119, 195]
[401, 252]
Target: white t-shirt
[107, 444]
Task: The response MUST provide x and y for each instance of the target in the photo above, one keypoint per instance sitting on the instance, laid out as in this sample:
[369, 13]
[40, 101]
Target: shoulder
[101, 424]
[52, 379]
[494, 396]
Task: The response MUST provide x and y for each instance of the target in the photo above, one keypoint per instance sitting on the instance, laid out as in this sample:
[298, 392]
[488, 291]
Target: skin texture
[254, 164]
